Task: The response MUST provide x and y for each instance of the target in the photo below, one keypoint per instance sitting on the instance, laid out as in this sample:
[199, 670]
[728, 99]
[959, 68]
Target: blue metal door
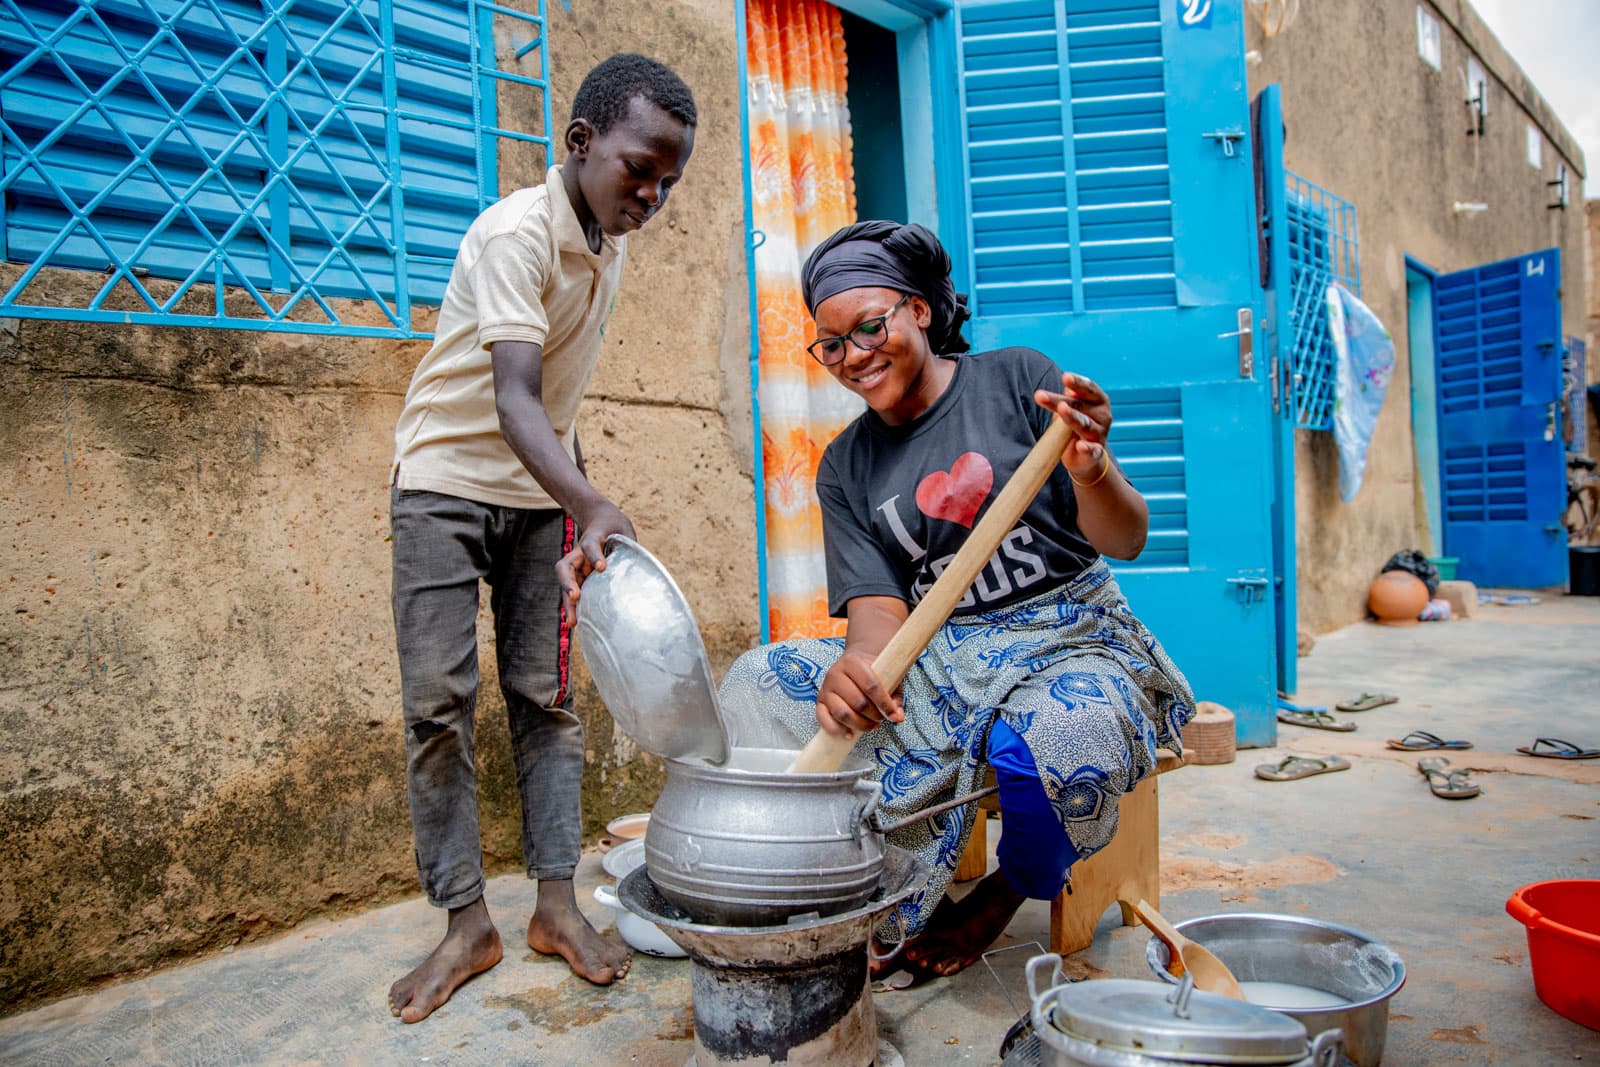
[1498, 338]
[1279, 322]
[1111, 225]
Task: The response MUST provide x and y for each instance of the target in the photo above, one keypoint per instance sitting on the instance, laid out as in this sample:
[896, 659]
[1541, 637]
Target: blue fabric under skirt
[1083, 682]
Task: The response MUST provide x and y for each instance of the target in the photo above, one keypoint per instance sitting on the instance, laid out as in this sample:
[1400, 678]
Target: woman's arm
[851, 699]
[1111, 513]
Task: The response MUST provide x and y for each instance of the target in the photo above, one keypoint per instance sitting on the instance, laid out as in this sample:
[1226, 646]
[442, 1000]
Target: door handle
[1246, 335]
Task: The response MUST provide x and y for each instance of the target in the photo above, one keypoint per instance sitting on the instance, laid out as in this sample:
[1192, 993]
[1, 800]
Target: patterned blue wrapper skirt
[1083, 682]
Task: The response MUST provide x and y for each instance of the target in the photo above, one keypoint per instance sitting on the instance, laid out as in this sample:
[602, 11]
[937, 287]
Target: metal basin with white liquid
[1314, 955]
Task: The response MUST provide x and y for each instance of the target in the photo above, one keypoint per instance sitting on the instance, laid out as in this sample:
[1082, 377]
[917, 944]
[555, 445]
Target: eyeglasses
[865, 335]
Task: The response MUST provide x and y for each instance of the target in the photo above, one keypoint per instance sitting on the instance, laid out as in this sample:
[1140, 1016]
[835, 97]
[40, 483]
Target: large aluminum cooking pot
[1118, 1022]
[749, 844]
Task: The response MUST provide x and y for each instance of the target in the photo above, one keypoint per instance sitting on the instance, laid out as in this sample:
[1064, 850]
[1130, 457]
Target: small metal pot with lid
[1116, 1022]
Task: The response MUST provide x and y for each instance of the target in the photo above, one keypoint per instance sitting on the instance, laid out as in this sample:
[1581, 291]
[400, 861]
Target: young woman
[1043, 673]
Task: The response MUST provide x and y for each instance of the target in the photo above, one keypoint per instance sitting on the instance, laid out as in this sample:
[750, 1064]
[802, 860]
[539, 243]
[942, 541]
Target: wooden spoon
[824, 753]
[1210, 973]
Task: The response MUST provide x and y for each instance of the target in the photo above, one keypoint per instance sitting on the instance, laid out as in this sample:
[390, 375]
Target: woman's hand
[852, 700]
[1084, 406]
[1110, 512]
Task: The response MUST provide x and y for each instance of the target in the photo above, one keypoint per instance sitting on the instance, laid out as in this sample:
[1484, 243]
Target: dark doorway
[875, 130]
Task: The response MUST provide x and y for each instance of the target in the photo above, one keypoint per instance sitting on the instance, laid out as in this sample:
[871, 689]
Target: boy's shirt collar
[569, 231]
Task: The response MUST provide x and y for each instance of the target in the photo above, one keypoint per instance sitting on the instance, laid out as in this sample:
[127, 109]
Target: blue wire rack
[1324, 247]
[294, 165]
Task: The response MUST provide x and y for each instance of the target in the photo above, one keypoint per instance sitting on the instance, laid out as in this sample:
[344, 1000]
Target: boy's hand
[852, 700]
[1084, 406]
[589, 554]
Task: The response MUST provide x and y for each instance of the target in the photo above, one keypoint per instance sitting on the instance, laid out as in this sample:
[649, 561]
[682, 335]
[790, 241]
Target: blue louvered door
[1111, 226]
[1498, 344]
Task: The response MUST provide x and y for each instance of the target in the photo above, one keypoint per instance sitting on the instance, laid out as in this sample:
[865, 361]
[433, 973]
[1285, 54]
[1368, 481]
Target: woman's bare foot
[471, 946]
[959, 932]
[558, 928]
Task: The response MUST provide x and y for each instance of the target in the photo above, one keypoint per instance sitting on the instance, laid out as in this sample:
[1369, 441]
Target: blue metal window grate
[254, 164]
[1323, 247]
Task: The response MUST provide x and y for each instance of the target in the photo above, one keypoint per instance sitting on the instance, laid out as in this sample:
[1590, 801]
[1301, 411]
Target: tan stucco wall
[202, 722]
[1369, 120]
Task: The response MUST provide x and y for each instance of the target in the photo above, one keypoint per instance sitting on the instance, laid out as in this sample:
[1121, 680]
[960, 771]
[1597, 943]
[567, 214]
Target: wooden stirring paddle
[824, 753]
[1210, 974]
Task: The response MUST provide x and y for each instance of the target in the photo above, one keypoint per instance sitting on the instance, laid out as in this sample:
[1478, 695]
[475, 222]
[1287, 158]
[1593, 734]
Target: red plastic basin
[1563, 921]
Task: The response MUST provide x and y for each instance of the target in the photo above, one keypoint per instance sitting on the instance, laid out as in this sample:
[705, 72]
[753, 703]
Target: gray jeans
[443, 546]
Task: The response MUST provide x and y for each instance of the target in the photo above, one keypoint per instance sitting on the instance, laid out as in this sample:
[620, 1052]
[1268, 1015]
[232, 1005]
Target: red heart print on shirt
[958, 494]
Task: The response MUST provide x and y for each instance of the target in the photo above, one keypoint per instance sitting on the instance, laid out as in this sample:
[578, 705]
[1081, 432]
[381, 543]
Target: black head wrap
[886, 254]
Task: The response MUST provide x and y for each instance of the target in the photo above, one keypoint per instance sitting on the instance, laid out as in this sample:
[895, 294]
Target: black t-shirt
[898, 501]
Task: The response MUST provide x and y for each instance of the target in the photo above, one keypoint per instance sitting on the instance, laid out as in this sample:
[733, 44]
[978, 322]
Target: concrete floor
[1369, 847]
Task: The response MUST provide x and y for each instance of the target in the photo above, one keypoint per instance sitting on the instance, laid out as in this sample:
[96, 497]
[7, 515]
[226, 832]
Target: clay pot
[1397, 598]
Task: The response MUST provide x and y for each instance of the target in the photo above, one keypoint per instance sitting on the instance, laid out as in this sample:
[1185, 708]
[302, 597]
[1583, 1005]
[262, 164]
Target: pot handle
[1522, 911]
[1326, 1048]
[873, 792]
[1037, 964]
[604, 894]
[900, 925]
[937, 809]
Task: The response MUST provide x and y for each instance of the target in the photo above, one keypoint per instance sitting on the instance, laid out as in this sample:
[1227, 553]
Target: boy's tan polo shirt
[524, 273]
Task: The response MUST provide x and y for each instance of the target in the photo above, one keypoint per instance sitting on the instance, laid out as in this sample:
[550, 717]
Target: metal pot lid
[1182, 1024]
[644, 650]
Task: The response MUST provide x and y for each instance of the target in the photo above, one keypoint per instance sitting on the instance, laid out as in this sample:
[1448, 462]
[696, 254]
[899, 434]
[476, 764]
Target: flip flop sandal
[1284, 705]
[1292, 767]
[1317, 720]
[1555, 748]
[905, 976]
[1444, 782]
[1367, 701]
[1419, 740]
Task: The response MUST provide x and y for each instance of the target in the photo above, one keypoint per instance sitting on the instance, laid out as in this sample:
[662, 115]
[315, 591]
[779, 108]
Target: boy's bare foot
[558, 928]
[960, 932]
[471, 946]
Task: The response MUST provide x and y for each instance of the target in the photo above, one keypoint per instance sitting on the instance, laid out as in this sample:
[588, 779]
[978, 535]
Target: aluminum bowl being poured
[644, 650]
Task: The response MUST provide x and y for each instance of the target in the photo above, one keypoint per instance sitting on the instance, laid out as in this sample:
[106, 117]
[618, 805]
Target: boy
[488, 484]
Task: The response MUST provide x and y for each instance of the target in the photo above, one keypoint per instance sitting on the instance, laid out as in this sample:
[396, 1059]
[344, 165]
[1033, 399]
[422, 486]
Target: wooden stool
[1129, 868]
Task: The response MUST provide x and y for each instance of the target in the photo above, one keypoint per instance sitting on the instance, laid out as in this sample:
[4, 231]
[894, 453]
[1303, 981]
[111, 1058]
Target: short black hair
[609, 88]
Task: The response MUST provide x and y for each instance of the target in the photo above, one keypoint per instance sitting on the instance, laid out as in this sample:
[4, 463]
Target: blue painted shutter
[1112, 228]
[1148, 440]
[1498, 345]
[1017, 148]
[1071, 207]
[156, 119]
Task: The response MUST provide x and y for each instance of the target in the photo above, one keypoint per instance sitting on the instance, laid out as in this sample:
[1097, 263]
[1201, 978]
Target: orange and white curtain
[803, 190]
